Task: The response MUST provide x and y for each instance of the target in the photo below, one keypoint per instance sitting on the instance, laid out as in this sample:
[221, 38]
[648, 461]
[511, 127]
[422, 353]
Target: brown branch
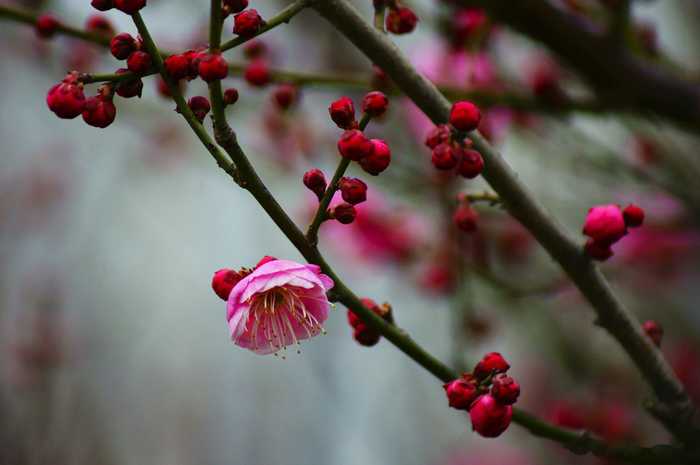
[611, 313]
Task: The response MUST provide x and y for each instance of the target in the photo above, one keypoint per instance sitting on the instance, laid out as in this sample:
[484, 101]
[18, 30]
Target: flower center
[281, 318]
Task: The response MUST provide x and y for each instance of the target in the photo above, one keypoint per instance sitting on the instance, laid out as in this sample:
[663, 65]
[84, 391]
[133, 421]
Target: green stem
[182, 106]
[321, 212]
[282, 17]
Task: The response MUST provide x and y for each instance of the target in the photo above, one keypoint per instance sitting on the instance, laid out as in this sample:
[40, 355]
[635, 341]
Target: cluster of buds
[257, 71]
[607, 224]
[373, 155]
[450, 149]
[361, 332]
[399, 19]
[487, 394]
[67, 100]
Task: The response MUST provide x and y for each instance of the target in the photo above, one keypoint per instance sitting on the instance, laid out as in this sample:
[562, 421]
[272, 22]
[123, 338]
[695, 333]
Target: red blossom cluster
[487, 393]
[607, 224]
[363, 333]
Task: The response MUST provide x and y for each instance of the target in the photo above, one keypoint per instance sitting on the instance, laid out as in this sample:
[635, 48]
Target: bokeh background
[114, 349]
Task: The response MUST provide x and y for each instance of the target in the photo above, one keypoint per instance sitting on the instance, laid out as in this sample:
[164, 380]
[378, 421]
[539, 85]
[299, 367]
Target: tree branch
[611, 313]
[617, 76]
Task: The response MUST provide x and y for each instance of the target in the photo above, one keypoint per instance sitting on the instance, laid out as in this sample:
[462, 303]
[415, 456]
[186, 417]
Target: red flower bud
[315, 181]
[122, 45]
[254, 49]
[265, 259]
[66, 99]
[46, 26]
[605, 224]
[489, 417]
[130, 87]
[200, 106]
[212, 67]
[597, 250]
[439, 134]
[363, 334]
[375, 104]
[342, 113]
[461, 393]
[633, 215]
[286, 95]
[247, 23]
[230, 96]
[654, 331]
[99, 24]
[444, 157]
[505, 389]
[465, 217]
[353, 190]
[492, 362]
[224, 281]
[178, 66]
[354, 145]
[235, 6]
[401, 20]
[99, 111]
[378, 160]
[465, 116]
[257, 73]
[471, 165]
[129, 6]
[139, 62]
[344, 213]
[102, 5]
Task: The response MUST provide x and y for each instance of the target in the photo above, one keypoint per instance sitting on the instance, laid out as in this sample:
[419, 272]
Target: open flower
[280, 303]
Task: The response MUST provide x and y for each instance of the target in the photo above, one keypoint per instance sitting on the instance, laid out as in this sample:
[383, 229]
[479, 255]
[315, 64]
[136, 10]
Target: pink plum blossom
[280, 303]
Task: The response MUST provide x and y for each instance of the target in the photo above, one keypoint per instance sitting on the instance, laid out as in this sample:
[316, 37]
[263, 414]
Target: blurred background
[114, 349]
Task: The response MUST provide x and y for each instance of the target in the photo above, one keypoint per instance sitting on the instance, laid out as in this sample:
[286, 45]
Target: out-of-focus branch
[618, 77]
[611, 313]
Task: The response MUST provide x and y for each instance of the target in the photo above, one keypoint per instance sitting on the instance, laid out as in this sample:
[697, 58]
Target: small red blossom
[354, 145]
[605, 224]
[99, 111]
[489, 417]
[139, 62]
[230, 96]
[342, 113]
[633, 215]
[247, 23]
[285, 95]
[505, 389]
[598, 250]
[353, 190]
[344, 213]
[200, 106]
[438, 135]
[178, 66]
[224, 281]
[461, 392]
[465, 116]
[444, 157]
[235, 6]
[46, 26]
[122, 45]
[378, 160]
[66, 99]
[471, 164]
[375, 104]
[401, 20]
[212, 67]
[257, 73]
[315, 181]
[102, 5]
[129, 88]
[99, 24]
[465, 217]
[491, 363]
